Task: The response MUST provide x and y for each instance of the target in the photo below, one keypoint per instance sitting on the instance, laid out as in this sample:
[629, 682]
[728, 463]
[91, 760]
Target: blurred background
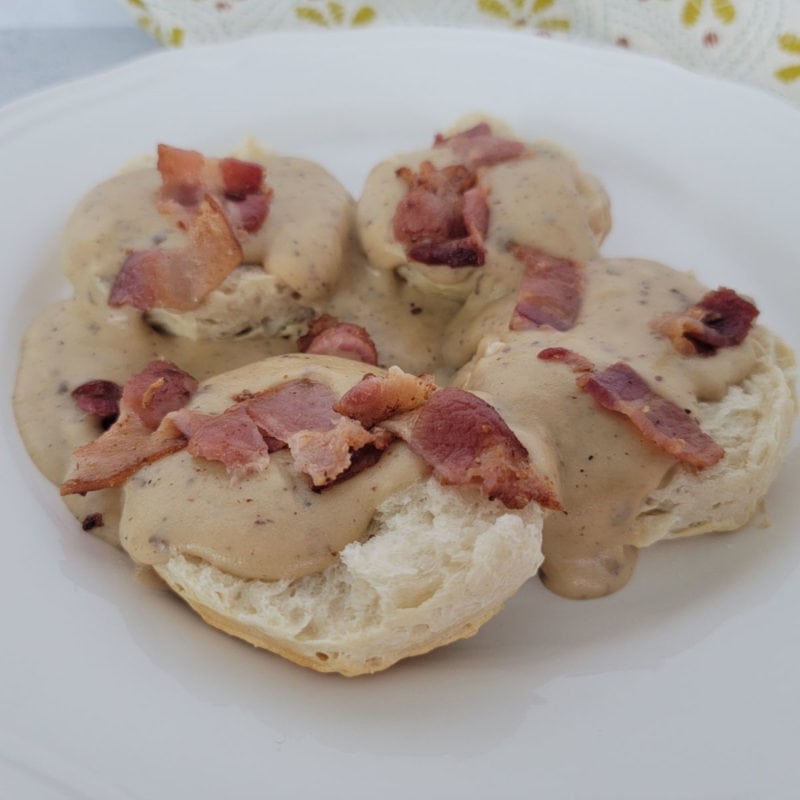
[750, 41]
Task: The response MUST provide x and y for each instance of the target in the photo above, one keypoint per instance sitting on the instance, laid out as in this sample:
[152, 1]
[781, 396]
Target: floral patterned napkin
[751, 41]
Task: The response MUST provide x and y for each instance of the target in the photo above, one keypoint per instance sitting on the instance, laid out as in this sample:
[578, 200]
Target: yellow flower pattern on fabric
[755, 41]
[170, 36]
[723, 10]
[789, 43]
[331, 14]
[521, 13]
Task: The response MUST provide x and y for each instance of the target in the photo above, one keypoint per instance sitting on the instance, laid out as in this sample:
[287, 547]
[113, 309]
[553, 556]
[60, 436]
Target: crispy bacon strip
[465, 441]
[444, 217]
[327, 336]
[238, 186]
[140, 436]
[180, 279]
[479, 147]
[374, 399]
[212, 199]
[620, 388]
[722, 318]
[550, 292]
[118, 453]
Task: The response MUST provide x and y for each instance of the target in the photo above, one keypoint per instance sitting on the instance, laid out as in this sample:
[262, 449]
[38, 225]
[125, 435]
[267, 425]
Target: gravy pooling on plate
[315, 255]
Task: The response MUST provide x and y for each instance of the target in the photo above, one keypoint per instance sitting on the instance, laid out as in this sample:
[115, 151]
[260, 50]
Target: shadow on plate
[466, 699]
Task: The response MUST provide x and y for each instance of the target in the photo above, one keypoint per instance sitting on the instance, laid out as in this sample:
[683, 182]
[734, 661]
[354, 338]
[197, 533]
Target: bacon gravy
[316, 255]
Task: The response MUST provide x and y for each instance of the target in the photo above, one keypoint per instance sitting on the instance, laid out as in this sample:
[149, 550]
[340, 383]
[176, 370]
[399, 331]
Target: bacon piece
[433, 207]
[243, 435]
[364, 458]
[181, 174]
[249, 213]
[180, 279]
[550, 292]
[159, 388]
[576, 361]
[122, 450]
[722, 318]
[232, 438]
[325, 455]
[476, 212]
[118, 453]
[239, 178]
[98, 397]
[374, 399]
[464, 252]
[620, 388]
[238, 186]
[92, 521]
[293, 406]
[465, 441]
[479, 147]
[140, 435]
[327, 336]
[154, 423]
[296, 413]
[212, 199]
[444, 217]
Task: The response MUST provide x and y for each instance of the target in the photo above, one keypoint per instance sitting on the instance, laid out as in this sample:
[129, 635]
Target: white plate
[686, 684]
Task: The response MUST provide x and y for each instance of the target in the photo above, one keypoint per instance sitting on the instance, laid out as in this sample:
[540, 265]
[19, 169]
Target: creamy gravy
[540, 199]
[422, 318]
[279, 527]
[294, 261]
[606, 468]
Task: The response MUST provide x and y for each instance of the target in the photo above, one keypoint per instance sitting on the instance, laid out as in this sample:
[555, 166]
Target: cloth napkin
[750, 41]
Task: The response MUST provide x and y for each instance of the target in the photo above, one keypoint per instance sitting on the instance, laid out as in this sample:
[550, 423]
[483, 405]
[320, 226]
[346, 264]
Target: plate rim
[33, 104]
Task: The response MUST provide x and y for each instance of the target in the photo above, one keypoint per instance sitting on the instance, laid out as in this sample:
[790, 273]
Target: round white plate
[684, 685]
